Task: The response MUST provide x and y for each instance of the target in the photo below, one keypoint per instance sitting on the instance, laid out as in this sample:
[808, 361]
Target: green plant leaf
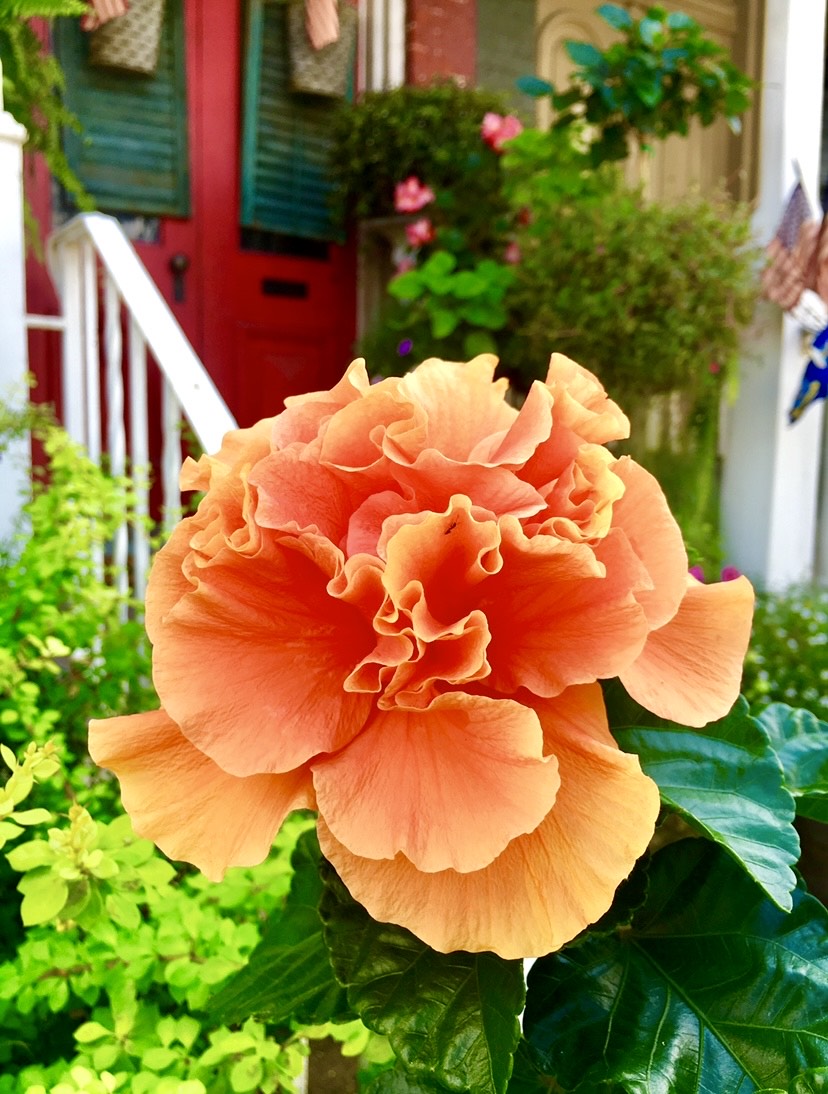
[451, 1018]
[397, 1082]
[289, 973]
[726, 781]
[585, 55]
[44, 895]
[30, 855]
[616, 16]
[801, 743]
[809, 1082]
[712, 988]
[534, 86]
[443, 321]
[468, 284]
[478, 342]
[406, 286]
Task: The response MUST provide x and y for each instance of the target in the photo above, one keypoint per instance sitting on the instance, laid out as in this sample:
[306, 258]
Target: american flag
[796, 255]
[797, 212]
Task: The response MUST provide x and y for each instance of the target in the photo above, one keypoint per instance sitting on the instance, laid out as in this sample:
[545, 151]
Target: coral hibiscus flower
[393, 605]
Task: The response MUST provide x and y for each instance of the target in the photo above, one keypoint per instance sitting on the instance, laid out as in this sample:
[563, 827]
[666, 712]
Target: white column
[15, 460]
[771, 469]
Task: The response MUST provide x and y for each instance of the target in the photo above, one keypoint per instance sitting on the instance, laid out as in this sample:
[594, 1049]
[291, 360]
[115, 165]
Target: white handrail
[203, 406]
[105, 289]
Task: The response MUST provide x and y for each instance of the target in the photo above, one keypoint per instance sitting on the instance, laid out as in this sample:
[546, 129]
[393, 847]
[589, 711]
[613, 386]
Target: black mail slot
[274, 286]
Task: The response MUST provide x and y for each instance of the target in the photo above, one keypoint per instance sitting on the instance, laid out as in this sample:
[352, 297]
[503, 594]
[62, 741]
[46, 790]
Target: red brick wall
[441, 37]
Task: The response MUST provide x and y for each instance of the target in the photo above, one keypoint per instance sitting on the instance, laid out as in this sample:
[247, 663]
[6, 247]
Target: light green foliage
[787, 661]
[121, 955]
[664, 72]
[71, 645]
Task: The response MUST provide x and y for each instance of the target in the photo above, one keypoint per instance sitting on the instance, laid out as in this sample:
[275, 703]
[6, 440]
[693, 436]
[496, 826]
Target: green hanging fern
[33, 85]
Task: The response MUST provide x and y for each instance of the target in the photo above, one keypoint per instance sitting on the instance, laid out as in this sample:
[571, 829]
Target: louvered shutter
[132, 152]
[286, 140]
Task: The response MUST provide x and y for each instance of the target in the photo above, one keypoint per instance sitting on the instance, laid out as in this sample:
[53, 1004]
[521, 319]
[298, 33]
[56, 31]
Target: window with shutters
[286, 139]
[132, 152]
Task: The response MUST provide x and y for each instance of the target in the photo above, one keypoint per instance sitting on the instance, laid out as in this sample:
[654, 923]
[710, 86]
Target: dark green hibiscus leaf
[527, 1075]
[711, 989]
[452, 1019]
[801, 743]
[809, 1082]
[398, 1082]
[726, 781]
[289, 973]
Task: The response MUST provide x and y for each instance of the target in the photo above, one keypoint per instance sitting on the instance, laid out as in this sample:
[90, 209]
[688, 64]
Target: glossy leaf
[712, 988]
[397, 1082]
[809, 1082]
[726, 781]
[289, 973]
[451, 1018]
[534, 86]
[616, 16]
[801, 743]
[585, 55]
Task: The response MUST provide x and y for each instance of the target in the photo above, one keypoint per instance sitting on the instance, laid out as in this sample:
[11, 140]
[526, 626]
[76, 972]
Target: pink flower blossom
[419, 232]
[497, 129]
[406, 263]
[511, 253]
[412, 195]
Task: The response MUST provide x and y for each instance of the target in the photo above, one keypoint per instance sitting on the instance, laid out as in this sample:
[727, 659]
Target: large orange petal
[167, 581]
[462, 406]
[305, 416]
[690, 670]
[561, 613]
[582, 404]
[355, 438]
[644, 516]
[252, 663]
[546, 886]
[297, 493]
[238, 447]
[448, 786]
[184, 803]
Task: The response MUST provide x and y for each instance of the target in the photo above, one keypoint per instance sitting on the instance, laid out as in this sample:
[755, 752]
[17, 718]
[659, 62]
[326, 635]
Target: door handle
[179, 264]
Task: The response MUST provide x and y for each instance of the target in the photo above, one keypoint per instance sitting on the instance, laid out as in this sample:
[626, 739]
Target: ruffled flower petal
[546, 886]
[643, 515]
[252, 663]
[561, 613]
[691, 668]
[185, 803]
[453, 784]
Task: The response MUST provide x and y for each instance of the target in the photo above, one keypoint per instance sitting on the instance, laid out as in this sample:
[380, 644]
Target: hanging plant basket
[323, 71]
[132, 41]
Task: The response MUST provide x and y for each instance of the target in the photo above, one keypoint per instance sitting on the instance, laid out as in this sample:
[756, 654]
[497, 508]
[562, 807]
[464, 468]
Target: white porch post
[771, 469]
[15, 460]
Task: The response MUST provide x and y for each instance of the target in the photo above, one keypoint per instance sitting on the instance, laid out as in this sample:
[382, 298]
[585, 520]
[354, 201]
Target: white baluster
[116, 431]
[170, 454]
[92, 353]
[139, 456]
[68, 274]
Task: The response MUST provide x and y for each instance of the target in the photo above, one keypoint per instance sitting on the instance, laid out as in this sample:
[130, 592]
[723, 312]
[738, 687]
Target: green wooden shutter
[286, 141]
[132, 153]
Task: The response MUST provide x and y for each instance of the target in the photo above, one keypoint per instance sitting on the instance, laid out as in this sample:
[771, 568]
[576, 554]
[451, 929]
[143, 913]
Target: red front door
[266, 324]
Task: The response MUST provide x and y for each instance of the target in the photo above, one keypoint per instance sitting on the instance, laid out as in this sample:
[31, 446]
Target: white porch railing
[93, 263]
